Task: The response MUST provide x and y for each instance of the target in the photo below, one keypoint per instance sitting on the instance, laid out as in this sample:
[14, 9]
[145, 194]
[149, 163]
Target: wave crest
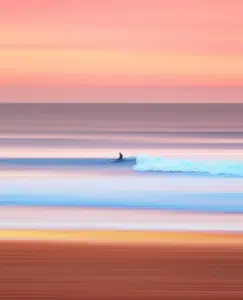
[150, 163]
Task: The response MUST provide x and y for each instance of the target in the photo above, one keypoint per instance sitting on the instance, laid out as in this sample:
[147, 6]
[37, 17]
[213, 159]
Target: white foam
[150, 163]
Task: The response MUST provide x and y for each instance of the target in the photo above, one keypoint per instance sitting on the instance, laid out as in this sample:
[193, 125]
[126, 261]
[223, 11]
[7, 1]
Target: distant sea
[62, 155]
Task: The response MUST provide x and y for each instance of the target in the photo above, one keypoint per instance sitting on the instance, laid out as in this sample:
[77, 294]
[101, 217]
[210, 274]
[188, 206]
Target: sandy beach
[66, 269]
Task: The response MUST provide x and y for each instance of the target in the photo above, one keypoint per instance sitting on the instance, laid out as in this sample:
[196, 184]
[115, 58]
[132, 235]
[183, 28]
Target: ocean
[179, 159]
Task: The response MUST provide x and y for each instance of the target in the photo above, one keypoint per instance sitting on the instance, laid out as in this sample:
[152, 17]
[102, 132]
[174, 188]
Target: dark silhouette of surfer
[120, 157]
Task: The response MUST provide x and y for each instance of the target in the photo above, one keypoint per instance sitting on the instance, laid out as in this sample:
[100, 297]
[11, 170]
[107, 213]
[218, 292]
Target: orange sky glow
[121, 51]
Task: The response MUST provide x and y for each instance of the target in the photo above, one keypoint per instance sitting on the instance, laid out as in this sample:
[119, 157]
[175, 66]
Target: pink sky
[121, 51]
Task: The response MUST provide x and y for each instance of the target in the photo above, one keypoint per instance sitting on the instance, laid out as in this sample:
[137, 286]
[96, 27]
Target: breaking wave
[150, 163]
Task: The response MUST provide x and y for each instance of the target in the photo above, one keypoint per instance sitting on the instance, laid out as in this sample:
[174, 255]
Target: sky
[121, 51]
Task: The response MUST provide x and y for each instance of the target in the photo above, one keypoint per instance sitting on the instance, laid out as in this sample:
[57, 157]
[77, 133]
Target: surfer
[120, 157]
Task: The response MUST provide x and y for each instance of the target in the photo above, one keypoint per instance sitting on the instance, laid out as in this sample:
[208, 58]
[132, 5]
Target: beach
[66, 269]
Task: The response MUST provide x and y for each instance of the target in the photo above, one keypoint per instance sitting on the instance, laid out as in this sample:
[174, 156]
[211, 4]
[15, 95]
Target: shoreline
[118, 237]
[106, 219]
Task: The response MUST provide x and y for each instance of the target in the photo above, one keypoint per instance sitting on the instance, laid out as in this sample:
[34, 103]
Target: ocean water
[179, 157]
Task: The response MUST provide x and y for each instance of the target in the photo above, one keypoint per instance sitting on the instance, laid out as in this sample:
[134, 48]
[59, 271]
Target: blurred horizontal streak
[118, 62]
[126, 237]
[80, 219]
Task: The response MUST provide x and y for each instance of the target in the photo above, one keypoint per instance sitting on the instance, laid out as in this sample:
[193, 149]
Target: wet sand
[82, 270]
